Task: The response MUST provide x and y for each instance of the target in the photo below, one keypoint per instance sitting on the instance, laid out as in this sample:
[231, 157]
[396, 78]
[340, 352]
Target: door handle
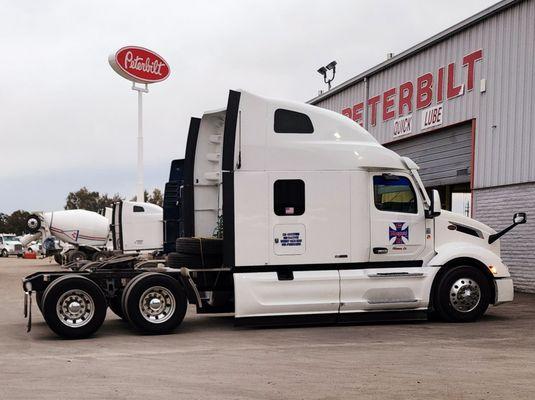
[380, 250]
[285, 275]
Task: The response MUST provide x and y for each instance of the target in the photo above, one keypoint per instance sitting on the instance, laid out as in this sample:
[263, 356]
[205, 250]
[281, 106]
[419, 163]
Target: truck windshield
[10, 239]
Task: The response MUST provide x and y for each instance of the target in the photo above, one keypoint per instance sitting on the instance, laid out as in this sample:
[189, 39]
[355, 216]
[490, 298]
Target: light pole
[323, 71]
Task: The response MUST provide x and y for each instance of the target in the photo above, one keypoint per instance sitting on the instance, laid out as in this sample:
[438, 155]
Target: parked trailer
[290, 213]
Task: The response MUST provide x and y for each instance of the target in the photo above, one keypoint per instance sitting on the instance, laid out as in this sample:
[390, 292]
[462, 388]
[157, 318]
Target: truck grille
[18, 247]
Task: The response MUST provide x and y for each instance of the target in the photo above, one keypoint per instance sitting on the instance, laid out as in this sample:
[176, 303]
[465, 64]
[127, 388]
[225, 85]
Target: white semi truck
[127, 227]
[292, 214]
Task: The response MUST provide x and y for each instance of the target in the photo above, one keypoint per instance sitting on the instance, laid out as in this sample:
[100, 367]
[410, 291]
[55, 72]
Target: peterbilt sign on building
[426, 95]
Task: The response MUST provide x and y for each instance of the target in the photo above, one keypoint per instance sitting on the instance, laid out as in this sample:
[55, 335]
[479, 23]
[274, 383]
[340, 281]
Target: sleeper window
[394, 193]
[139, 209]
[287, 121]
[289, 197]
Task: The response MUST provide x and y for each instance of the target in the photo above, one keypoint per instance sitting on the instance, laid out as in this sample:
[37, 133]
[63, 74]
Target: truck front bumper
[504, 291]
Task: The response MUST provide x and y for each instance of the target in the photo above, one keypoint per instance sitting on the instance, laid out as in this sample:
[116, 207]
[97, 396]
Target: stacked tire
[196, 253]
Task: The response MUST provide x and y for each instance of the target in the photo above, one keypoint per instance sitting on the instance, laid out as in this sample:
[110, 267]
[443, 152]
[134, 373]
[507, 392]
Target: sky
[67, 120]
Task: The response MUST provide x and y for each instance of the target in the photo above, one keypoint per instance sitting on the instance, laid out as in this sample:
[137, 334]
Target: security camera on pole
[141, 66]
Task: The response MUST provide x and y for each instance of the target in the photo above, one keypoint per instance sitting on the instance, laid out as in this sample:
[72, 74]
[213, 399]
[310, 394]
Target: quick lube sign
[427, 95]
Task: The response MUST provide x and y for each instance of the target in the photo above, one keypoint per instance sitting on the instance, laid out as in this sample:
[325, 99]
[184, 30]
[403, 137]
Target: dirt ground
[209, 358]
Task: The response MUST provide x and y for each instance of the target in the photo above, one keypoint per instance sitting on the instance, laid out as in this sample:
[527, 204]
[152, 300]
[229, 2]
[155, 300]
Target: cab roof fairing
[337, 143]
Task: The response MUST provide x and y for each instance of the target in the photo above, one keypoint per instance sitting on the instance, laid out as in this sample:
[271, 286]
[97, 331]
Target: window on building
[139, 209]
[394, 193]
[287, 121]
[289, 197]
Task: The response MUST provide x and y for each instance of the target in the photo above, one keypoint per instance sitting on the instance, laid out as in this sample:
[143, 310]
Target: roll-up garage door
[444, 156]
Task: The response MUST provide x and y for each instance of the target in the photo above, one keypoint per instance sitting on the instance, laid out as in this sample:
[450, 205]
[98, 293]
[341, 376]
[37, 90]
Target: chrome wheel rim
[75, 308]
[33, 223]
[465, 295]
[157, 304]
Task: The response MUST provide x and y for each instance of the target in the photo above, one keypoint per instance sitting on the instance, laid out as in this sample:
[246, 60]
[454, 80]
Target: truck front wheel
[73, 306]
[462, 294]
[154, 303]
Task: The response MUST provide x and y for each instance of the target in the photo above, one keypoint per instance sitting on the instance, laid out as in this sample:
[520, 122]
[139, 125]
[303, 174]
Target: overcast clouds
[67, 120]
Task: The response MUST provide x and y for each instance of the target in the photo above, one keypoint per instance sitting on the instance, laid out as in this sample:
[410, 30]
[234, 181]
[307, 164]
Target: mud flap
[28, 309]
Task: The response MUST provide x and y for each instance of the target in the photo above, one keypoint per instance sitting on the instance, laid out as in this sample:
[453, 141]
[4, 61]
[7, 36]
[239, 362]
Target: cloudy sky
[67, 120]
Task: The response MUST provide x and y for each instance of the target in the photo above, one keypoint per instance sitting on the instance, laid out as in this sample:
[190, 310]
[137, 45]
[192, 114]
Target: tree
[14, 223]
[87, 200]
[3, 222]
[155, 198]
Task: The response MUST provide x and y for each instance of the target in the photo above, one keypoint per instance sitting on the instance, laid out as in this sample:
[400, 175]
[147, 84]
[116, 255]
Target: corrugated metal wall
[505, 113]
[444, 157]
[495, 207]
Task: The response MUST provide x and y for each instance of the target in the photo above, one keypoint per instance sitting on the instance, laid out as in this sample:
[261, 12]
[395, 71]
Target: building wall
[505, 112]
[495, 207]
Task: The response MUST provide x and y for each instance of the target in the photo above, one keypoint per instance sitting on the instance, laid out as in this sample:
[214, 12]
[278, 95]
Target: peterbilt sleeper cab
[292, 214]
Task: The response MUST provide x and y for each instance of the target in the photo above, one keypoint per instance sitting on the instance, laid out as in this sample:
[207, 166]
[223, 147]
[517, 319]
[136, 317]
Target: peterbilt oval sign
[139, 65]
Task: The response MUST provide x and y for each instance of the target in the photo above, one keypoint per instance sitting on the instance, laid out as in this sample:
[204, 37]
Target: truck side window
[287, 121]
[289, 197]
[139, 209]
[394, 193]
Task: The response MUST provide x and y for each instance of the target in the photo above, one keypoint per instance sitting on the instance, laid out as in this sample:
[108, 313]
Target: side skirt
[332, 318]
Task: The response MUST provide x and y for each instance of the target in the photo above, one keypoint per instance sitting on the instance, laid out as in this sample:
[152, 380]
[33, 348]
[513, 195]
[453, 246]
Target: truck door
[397, 219]
[309, 235]
[393, 278]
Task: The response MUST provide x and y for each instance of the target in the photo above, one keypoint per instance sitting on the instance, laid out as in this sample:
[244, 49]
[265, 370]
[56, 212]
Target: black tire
[33, 223]
[209, 246]
[463, 294]
[115, 306]
[99, 256]
[58, 258]
[179, 260]
[39, 300]
[4, 253]
[93, 306]
[154, 286]
[76, 255]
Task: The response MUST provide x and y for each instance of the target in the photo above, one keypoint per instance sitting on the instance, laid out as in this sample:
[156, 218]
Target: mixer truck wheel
[99, 256]
[76, 255]
[4, 253]
[155, 303]
[74, 307]
[33, 223]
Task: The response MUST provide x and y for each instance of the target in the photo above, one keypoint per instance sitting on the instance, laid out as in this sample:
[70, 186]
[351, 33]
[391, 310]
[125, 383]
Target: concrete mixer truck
[127, 227]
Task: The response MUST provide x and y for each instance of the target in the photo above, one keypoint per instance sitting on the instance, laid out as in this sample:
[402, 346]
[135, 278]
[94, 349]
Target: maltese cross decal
[398, 233]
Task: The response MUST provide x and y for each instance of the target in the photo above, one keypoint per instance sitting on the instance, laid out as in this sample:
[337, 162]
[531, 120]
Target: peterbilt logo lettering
[398, 233]
[139, 65]
[444, 83]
